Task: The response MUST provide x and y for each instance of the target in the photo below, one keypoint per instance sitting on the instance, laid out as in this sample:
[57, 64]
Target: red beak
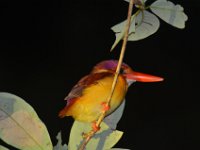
[141, 77]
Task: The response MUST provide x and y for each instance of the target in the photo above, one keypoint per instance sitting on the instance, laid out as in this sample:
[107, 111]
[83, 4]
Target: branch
[125, 39]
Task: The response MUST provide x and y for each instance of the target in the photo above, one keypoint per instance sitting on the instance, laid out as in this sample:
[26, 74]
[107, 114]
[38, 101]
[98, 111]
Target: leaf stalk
[103, 114]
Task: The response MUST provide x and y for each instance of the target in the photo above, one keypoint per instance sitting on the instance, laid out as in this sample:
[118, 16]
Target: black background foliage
[46, 47]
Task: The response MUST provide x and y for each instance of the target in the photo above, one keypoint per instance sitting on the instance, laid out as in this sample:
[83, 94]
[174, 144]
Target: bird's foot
[106, 106]
[85, 135]
[95, 128]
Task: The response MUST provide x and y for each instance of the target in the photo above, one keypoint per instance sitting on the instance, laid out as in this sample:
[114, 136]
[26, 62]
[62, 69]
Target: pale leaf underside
[20, 126]
[170, 13]
[59, 145]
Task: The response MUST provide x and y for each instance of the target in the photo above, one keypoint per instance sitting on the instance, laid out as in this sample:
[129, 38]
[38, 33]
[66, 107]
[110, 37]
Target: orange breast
[88, 107]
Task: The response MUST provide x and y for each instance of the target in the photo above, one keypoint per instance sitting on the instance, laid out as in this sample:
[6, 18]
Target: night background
[46, 47]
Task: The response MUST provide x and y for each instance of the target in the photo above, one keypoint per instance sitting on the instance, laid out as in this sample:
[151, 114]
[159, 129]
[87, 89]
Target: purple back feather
[109, 64]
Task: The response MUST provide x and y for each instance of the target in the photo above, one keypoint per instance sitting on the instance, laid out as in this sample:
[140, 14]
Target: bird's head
[126, 71]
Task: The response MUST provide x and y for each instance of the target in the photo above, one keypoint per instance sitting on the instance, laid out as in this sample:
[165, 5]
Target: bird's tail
[62, 113]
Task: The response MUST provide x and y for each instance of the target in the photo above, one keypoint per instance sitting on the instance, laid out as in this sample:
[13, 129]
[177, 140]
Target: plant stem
[125, 39]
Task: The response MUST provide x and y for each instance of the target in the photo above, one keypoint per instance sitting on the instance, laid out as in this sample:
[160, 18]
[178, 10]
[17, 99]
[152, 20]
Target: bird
[88, 97]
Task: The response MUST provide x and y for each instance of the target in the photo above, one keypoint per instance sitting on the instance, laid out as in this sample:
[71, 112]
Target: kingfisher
[88, 97]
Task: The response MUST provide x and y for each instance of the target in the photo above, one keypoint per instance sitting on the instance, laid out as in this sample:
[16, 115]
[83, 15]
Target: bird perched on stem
[88, 97]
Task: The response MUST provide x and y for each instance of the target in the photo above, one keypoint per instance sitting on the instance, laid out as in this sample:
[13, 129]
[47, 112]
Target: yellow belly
[89, 106]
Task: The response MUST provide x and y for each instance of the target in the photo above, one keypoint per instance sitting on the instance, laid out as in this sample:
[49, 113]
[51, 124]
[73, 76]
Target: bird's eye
[121, 71]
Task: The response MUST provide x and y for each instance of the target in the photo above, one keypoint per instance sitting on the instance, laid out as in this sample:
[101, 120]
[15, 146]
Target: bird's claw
[106, 106]
[85, 135]
[95, 127]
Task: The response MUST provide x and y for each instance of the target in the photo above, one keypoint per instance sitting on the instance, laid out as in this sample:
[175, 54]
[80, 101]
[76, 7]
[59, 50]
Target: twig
[100, 119]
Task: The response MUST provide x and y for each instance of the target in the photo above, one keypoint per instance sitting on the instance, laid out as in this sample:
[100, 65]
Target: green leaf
[170, 13]
[20, 126]
[114, 118]
[146, 25]
[59, 145]
[120, 26]
[106, 138]
[119, 30]
[143, 25]
[3, 148]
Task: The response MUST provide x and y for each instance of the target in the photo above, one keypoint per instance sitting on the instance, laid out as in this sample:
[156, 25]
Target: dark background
[46, 47]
